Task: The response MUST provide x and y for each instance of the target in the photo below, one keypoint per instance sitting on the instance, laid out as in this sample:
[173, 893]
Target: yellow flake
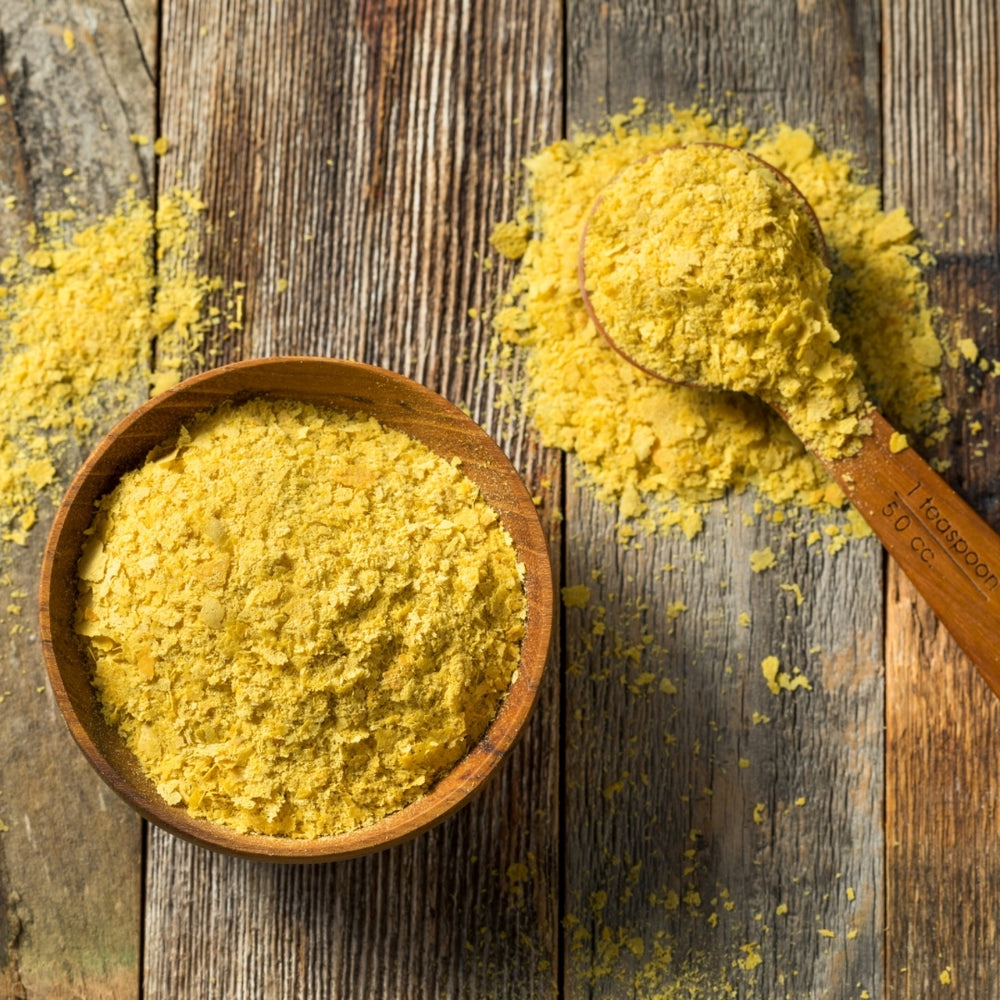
[968, 348]
[762, 559]
[161, 146]
[69, 39]
[576, 596]
[898, 442]
[752, 958]
[778, 681]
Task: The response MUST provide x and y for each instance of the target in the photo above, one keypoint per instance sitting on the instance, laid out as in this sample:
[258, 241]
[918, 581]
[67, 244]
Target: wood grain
[949, 553]
[69, 907]
[689, 824]
[362, 152]
[941, 720]
[942, 807]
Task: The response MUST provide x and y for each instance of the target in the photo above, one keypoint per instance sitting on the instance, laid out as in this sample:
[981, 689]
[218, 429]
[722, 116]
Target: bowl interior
[396, 402]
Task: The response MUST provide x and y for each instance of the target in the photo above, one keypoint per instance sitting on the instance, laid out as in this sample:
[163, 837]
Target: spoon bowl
[396, 402]
[948, 551]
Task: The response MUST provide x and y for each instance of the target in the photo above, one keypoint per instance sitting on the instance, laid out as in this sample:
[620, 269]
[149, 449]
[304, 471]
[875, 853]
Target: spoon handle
[947, 550]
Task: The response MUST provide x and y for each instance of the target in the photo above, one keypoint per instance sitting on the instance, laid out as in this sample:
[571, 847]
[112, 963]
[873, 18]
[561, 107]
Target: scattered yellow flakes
[898, 442]
[743, 763]
[518, 872]
[161, 146]
[944, 977]
[576, 596]
[778, 681]
[667, 686]
[794, 588]
[138, 139]
[824, 932]
[81, 312]
[511, 239]
[744, 619]
[675, 609]
[762, 559]
[859, 527]
[968, 348]
[781, 909]
[69, 39]
[281, 285]
[759, 719]
[759, 811]
[800, 801]
[350, 618]
[752, 958]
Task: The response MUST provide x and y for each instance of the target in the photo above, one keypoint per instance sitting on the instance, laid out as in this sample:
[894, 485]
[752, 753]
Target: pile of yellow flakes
[658, 451]
[299, 620]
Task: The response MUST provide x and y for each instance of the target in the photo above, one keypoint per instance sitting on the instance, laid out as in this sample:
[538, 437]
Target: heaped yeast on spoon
[704, 265]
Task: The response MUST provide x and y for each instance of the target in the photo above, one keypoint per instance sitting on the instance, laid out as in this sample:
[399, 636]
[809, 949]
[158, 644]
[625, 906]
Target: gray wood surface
[943, 811]
[361, 153]
[70, 908]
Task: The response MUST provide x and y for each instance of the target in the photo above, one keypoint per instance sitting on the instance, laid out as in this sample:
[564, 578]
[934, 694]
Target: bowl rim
[485, 462]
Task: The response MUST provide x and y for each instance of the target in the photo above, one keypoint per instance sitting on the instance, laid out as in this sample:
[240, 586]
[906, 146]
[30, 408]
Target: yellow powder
[763, 559]
[80, 313]
[576, 596]
[898, 442]
[298, 620]
[778, 681]
[676, 447]
[705, 268]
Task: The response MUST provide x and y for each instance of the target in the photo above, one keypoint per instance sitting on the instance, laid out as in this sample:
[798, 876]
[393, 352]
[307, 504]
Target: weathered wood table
[362, 152]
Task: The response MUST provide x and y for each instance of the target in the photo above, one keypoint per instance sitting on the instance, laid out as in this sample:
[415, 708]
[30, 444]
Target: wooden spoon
[948, 551]
[396, 402]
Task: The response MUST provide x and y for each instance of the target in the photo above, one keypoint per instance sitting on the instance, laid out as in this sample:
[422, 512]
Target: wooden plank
[687, 824]
[361, 153]
[75, 85]
[943, 159]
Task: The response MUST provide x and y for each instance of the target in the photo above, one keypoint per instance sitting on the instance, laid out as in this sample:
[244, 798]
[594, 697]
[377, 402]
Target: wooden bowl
[395, 401]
